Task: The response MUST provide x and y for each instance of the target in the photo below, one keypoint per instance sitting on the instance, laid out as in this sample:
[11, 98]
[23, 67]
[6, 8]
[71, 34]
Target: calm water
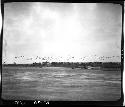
[58, 83]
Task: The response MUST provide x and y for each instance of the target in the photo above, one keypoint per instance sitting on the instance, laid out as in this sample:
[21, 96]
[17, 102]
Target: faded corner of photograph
[62, 51]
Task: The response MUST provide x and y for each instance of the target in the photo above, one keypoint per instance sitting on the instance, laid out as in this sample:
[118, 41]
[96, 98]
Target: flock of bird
[68, 59]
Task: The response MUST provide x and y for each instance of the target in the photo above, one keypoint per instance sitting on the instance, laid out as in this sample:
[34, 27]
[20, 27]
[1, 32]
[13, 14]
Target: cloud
[50, 29]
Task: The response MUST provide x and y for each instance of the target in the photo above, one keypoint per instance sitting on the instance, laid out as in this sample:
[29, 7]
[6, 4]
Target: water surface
[60, 84]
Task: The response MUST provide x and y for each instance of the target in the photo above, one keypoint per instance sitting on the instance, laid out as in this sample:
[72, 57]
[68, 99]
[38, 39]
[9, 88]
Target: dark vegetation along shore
[73, 65]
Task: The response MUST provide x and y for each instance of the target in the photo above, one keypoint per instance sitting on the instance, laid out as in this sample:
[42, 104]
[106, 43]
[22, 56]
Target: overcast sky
[63, 31]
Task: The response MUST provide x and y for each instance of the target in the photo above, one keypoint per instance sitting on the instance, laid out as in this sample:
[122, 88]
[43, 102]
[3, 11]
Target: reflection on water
[58, 83]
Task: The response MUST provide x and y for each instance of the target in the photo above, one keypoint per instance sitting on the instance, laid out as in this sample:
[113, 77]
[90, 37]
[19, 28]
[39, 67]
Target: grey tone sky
[62, 30]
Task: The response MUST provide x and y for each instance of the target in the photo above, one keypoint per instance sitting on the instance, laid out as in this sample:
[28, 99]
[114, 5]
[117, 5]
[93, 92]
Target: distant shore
[73, 65]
